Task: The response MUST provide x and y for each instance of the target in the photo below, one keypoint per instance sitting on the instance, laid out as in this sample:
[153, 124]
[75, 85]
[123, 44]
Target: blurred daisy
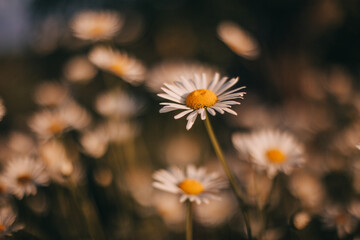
[271, 150]
[196, 96]
[79, 70]
[47, 124]
[75, 115]
[2, 109]
[238, 40]
[301, 220]
[50, 94]
[340, 219]
[20, 143]
[169, 71]
[119, 63]
[7, 222]
[23, 175]
[92, 25]
[194, 184]
[95, 142]
[118, 104]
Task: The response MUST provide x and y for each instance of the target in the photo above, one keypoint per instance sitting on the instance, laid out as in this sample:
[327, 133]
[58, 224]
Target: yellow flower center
[117, 68]
[275, 156]
[191, 186]
[23, 179]
[97, 30]
[56, 127]
[2, 228]
[201, 98]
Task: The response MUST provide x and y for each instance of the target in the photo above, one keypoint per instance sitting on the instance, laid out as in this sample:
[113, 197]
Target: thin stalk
[188, 220]
[231, 178]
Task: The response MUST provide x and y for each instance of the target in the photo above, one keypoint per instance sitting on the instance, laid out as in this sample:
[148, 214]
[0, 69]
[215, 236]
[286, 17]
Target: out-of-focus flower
[75, 115]
[118, 104]
[301, 220]
[238, 40]
[119, 63]
[95, 26]
[340, 84]
[23, 175]
[59, 165]
[79, 70]
[181, 150]
[2, 109]
[7, 222]
[138, 182]
[170, 209]
[50, 94]
[340, 219]
[103, 176]
[20, 143]
[170, 71]
[47, 124]
[217, 212]
[308, 189]
[196, 96]
[95, 141]
[194, 184]
[271, 150]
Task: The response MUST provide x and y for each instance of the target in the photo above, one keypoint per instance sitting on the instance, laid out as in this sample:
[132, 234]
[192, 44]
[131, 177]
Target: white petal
[183, 113]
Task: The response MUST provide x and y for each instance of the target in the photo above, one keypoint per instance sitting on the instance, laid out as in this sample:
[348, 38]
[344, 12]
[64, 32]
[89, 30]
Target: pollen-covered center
[201, 98]
[23, 179]
[56, 127]
[191, 186]
[275, 156]
[117, 68]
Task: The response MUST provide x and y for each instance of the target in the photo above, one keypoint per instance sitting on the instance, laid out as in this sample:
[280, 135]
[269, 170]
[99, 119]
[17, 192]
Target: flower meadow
[179, 119]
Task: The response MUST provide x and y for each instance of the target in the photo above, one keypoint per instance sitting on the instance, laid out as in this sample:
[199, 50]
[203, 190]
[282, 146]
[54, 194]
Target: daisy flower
[91, 25]
[271, 150]
[340, 219]
[119, 63]
[7, 222]
[238, 40]
[193, 184]
[22, 175]
[196, 96]
[79, 70]
[50, 94]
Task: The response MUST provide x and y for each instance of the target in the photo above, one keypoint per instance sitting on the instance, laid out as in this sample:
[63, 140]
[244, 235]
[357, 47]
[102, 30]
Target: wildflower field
[179, 119]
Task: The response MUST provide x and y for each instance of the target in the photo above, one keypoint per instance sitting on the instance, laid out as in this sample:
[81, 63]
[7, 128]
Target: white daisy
[340, 219]
[271, 150]
[92, 25]
[196, 96]
[238, 40]
[194, 184]
[7, 222]
[119, 63]
[22, 175]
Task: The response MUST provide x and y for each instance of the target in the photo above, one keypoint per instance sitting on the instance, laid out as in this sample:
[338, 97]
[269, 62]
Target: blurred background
[303, 79]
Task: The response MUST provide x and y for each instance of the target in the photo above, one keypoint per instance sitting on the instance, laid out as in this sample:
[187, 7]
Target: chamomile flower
[238, 40]
[23, 175]
[196, 96]
[92, 25]
[119, 63]
[193, 184]
[7, 222]
[271, 150]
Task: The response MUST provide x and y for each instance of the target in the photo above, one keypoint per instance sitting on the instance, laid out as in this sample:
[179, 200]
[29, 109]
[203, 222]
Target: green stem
[231, 178]
[188, 220]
